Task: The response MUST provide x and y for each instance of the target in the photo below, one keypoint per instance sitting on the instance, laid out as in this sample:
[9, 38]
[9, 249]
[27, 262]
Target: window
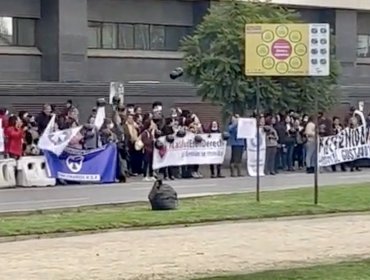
[136, 36]
[125, 36]
[94, 35]
[363, 45]
[17, 31]
[174, 35]
[25, 32]
[157, 37]
[141, 37]
[6, 31]
[109, 38]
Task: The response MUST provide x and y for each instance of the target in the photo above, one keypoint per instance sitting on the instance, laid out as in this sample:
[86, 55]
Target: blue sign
[99, 165]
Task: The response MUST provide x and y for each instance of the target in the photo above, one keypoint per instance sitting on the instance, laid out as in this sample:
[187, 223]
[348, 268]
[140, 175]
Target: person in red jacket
[14, 135]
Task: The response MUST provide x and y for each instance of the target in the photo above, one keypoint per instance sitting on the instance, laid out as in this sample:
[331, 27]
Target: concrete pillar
[346, 35]
[62, 39]
[48, 41]
[73, 40]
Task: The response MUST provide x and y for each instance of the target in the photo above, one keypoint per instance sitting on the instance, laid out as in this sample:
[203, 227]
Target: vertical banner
[252, 155]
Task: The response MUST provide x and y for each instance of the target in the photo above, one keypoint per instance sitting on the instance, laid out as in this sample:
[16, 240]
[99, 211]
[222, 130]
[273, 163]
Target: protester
[14, 135]
[289, 143]
[298, 154]
[310, 133]
[168, 172]
[194, 126]
[31, 137]
[353, 124]
[78, 140]
[271, 147]
[147, 137]
[43, 118]
[91, 135]
[67, 108]
[337, 128]
[215, 128]
[237, 148]
[131, 130]
[106, 132]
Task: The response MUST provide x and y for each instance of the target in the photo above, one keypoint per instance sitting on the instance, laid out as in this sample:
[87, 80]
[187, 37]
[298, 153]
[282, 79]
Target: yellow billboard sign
[287, 49]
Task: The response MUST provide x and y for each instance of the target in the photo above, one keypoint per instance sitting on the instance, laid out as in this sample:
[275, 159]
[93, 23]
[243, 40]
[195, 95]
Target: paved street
[24, 199]
[185, 253]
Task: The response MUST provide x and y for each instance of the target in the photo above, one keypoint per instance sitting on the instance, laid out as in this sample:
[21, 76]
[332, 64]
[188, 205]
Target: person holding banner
[337, 128]
[353, 124]
[237, 147]
[147, 137]
[215, 128]
[310, 133]
[167, 129]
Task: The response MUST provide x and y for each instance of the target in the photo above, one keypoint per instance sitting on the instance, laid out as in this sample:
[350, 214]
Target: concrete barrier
[7, 173]
[32, 172]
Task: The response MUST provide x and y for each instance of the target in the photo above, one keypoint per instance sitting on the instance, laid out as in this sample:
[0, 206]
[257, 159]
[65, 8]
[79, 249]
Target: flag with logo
[98, 165]
[252, 154]
[56, 141]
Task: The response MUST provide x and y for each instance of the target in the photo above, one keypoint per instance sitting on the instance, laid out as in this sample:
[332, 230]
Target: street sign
[287, 49]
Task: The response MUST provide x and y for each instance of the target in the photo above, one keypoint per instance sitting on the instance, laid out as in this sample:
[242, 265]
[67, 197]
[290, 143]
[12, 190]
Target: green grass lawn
[195, 210]
[342, 271]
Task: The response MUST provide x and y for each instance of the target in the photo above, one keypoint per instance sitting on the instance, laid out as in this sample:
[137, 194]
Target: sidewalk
[182, 253]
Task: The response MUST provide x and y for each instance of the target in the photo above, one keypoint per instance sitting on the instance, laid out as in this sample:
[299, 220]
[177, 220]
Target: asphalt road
[28, 199]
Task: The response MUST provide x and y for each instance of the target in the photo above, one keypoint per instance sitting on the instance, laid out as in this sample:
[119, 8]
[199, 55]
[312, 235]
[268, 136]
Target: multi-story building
[53, 48]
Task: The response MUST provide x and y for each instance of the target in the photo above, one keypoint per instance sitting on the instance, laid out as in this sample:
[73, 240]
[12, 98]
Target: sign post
[281, 50]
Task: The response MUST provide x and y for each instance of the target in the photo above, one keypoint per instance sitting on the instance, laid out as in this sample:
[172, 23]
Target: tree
[214, 62]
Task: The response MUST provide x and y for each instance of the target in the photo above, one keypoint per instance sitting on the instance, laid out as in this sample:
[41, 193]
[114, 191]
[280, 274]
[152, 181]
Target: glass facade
[129, 36]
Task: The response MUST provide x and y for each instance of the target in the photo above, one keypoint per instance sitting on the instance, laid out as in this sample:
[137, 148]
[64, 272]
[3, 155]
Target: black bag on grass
[163, 196]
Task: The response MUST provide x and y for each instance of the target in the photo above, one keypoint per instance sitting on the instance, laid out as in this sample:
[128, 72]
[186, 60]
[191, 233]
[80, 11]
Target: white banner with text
[185, 151]
[252, 155]
[347, 145]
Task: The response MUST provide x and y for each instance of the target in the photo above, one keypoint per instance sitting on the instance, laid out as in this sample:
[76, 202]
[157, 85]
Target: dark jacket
[167, 130]
[281, 132]
[234, 141]
[148, 140]
[42, 122]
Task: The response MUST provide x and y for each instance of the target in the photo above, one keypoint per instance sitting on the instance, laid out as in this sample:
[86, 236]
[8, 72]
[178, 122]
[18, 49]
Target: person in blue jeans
[237, 148]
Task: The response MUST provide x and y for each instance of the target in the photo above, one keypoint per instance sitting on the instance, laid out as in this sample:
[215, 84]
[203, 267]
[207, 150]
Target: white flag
[56, 141]
[100, 116]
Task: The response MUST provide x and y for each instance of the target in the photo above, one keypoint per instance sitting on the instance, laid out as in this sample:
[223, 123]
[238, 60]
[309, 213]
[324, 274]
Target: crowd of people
[127, 126]
[290, 140]
[290, 137]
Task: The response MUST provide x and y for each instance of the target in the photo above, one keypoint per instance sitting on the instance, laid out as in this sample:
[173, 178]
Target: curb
[8, 239]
